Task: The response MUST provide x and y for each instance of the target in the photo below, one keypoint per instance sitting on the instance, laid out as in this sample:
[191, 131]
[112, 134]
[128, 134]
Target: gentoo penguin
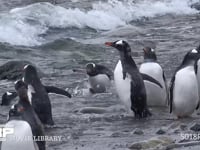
[38, 94]
[198, 68]
[99, 77]
[184, 97]
[28, 113]
[129, 82]
[22, 138]
[7, 97]
[156, 96]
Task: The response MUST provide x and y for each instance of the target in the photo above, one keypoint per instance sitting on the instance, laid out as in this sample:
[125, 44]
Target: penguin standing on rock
[184, 96]
[129, 81]
[156, 96]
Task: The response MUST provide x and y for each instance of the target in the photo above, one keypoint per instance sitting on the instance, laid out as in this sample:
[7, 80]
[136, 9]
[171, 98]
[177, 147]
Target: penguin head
[198, 49]
[190, 57]
[121, 46]
[149, 53]
[21, 89]
[30, 74]
[91, 69]
[15, 111]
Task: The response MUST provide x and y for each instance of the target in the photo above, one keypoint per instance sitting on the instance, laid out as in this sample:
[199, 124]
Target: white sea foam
[23, 26]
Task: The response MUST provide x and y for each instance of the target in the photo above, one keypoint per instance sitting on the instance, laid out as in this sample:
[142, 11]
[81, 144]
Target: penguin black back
[39, 96]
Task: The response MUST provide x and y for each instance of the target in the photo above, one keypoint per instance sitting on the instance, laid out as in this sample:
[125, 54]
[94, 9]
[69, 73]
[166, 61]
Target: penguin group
[137, 88]
[147, 87]
[31, 112]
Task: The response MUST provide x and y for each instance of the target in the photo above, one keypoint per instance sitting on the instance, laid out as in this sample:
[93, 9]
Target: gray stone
[195, 127]
[13, 70]
[161, 131]
[138, 131]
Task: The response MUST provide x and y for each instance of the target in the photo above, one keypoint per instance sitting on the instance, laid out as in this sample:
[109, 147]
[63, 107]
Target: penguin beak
[20, 109]
[145, 50]
[109, 44]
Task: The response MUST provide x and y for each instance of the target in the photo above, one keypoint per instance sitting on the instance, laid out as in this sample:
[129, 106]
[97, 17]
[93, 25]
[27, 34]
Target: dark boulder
[13, 70]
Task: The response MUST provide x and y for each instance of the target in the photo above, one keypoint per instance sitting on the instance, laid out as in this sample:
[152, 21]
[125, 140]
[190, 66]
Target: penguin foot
[49, 122]
[142, 114]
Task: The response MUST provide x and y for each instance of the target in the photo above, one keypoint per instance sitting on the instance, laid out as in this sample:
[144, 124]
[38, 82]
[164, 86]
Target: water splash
[24, 26]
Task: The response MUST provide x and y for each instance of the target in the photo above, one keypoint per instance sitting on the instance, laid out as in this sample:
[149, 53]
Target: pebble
[195, 127]
[138, 131]
[161, 131]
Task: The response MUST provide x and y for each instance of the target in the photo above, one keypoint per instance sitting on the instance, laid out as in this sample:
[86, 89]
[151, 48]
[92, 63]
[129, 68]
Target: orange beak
[109, 43]
[145, 50]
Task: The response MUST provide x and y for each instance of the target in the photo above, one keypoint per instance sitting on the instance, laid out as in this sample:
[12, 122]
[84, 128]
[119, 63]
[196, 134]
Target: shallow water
[58, 38]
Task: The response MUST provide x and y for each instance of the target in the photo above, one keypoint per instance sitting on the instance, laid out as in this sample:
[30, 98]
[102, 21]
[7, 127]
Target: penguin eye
[152, 50]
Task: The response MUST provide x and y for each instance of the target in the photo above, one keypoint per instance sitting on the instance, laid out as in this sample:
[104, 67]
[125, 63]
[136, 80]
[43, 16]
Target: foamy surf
[24, 26]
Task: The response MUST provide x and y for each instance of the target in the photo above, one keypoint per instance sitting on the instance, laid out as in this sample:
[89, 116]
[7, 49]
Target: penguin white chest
[123, 87]
[22, 134]
[99, 82]
[31, 90]
[185, 92]
[198, 75]
[156, 96]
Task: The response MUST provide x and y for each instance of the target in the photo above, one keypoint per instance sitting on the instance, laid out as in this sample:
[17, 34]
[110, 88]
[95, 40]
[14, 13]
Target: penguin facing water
[129, 81]
[38, 94]
[156, 96]
[99, 77]
[184, 96]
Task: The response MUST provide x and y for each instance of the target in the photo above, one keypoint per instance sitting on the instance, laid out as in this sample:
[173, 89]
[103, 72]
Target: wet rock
[153, 143]
[138, 131]
[116, 134]
[195, 127]
[92, 110]
[161, 131]
[13, 70]
[183, 127]
[177, 131]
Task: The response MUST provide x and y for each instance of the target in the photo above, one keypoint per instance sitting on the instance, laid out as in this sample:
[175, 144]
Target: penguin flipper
[171, 92]
[7, 97]
[149, 78]
[198, 105]
[52, 89]
[196, 67]
[164, 78]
